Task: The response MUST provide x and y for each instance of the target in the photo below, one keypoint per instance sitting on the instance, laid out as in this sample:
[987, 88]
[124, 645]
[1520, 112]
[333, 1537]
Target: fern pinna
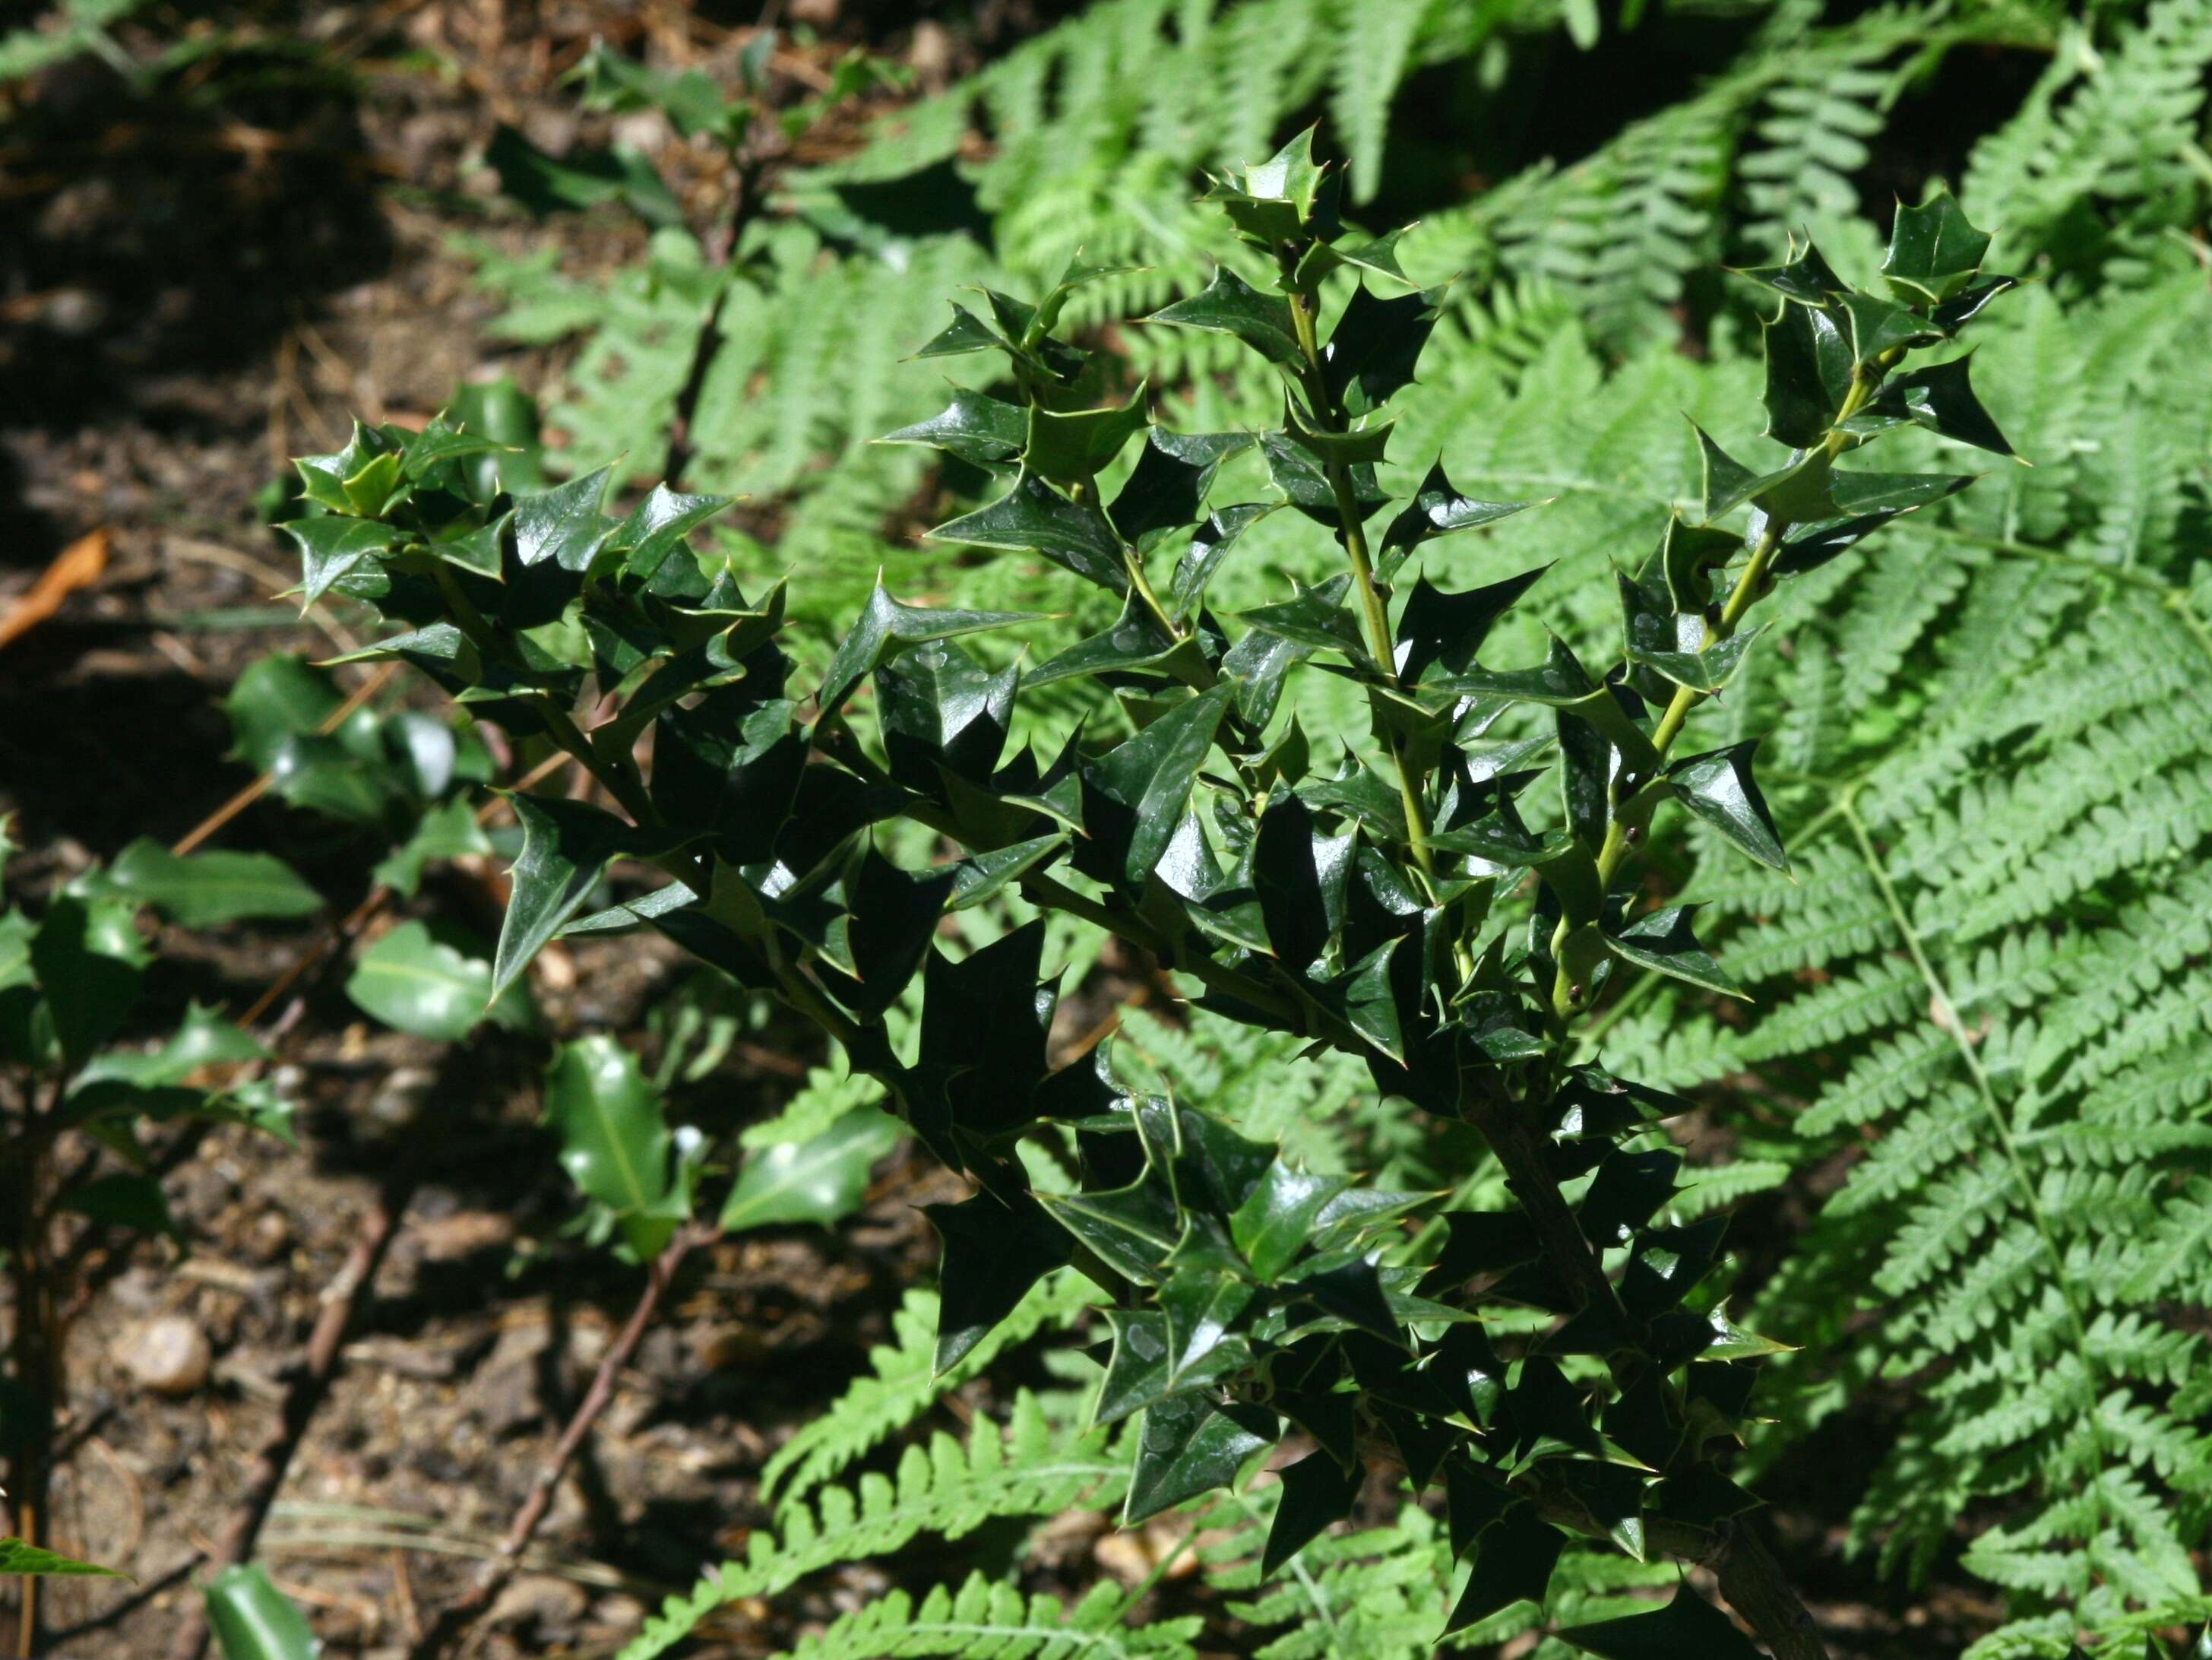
[1562, 1364]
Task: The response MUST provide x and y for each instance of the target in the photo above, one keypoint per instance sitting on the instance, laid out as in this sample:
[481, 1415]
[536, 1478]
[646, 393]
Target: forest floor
[190, 294]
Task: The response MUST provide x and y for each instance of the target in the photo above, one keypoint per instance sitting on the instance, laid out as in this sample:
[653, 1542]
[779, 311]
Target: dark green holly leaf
[886, 627]
[1437, 509]
[1956, 313]
[1135, 642]
[1189, 1446]
[1272, 1226]
[1229, 305]
[1702, 1497]
[1297, 473]
[427, 981]
[207, 890]
[1807, 547]
[1471, 1505]
[1150, 777]
[1719, 787]
[1438, 629]
[983, 876]
[964, 334]
[1934, 251]
[1938, 397]
[87, 957]
[564, 524]
[1727, 483]
[1377, 343]
[1317, 1491]
[1133, 1228]
[1315, 618]
[439, 443]
[1353, 1294]
[1379, 255]
[1803, 276]
[1071, 448]
[1663, 941]
[1808, 374]
[1201, 1306]
[1676, 644]
[940, 707]
[1560, 679]
[565, 846]
[615, 1141]
[1277, 200]
[330, 546]
[1365, 445]
[1137, 1370]
[891, 916]
[1513, 1561]
[1628, 1191]
[975, 428]
[995, 1250]
[1853, 493]
[1879, 326]
[1585, 779]
[1035, 518]
[1209, 546]
[1166, 490]
[1301, 878]
[1686, 1628]
[655, 534]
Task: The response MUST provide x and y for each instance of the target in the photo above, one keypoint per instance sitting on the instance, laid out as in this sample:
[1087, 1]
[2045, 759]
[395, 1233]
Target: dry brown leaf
[77, 566]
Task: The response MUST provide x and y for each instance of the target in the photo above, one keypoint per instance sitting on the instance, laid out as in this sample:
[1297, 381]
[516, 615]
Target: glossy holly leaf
[1560, 679]
[1133, 1229]
[22, 1560]
[1514, 1557]
[1626, 1194]
[424, 980]
[1365, 444]
[1035, 518]
[1201, 1306]
[122, 1199]
[965, 333]
[890, 918]
[1803, 276]
[1229, 305]
[1209, 546]
[1687, 1629]
[565, 846]
[1963, 307]
[1728, 484]
[1676, 644]
[1317, 1491]
[1719, 787]
[615, 1144]
[1375, 347]
[1273, 202]
[995, 1249]
[819, 1180]
[207, 890]
[1808, 374]
[1297, 470]
[1071, 448]
[1856, 494]
[1150, 777]
[974, 426]
[940, 707]
[203, 1038]
[1808, 546]
[441, 442]
[88, 957]
[1938, 397]
[331, 547]
[1135, 642]
[1935, 251]
[655, 532]
[887, 627]
[1663, 941]
[447, 832]
[1188, 1446]
[1879, 326]
[1166, 490]
[1442, 629]
[1437, 509]
[1378, 254]
[984, 876]
[564, 524]
[1316, 617]
[1272, 1226]
[1471, 1505]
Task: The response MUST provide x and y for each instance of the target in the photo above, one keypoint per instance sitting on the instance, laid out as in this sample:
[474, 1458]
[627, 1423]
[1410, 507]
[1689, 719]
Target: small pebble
[169, 1355]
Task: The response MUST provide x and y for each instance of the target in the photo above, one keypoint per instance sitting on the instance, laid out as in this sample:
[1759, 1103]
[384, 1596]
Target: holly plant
[1448, 901]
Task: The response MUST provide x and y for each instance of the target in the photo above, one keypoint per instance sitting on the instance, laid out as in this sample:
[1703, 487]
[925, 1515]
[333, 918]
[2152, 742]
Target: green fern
[987, 1620]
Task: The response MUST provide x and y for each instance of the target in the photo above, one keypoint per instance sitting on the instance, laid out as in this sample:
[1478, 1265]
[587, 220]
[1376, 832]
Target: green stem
[1372, 608]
